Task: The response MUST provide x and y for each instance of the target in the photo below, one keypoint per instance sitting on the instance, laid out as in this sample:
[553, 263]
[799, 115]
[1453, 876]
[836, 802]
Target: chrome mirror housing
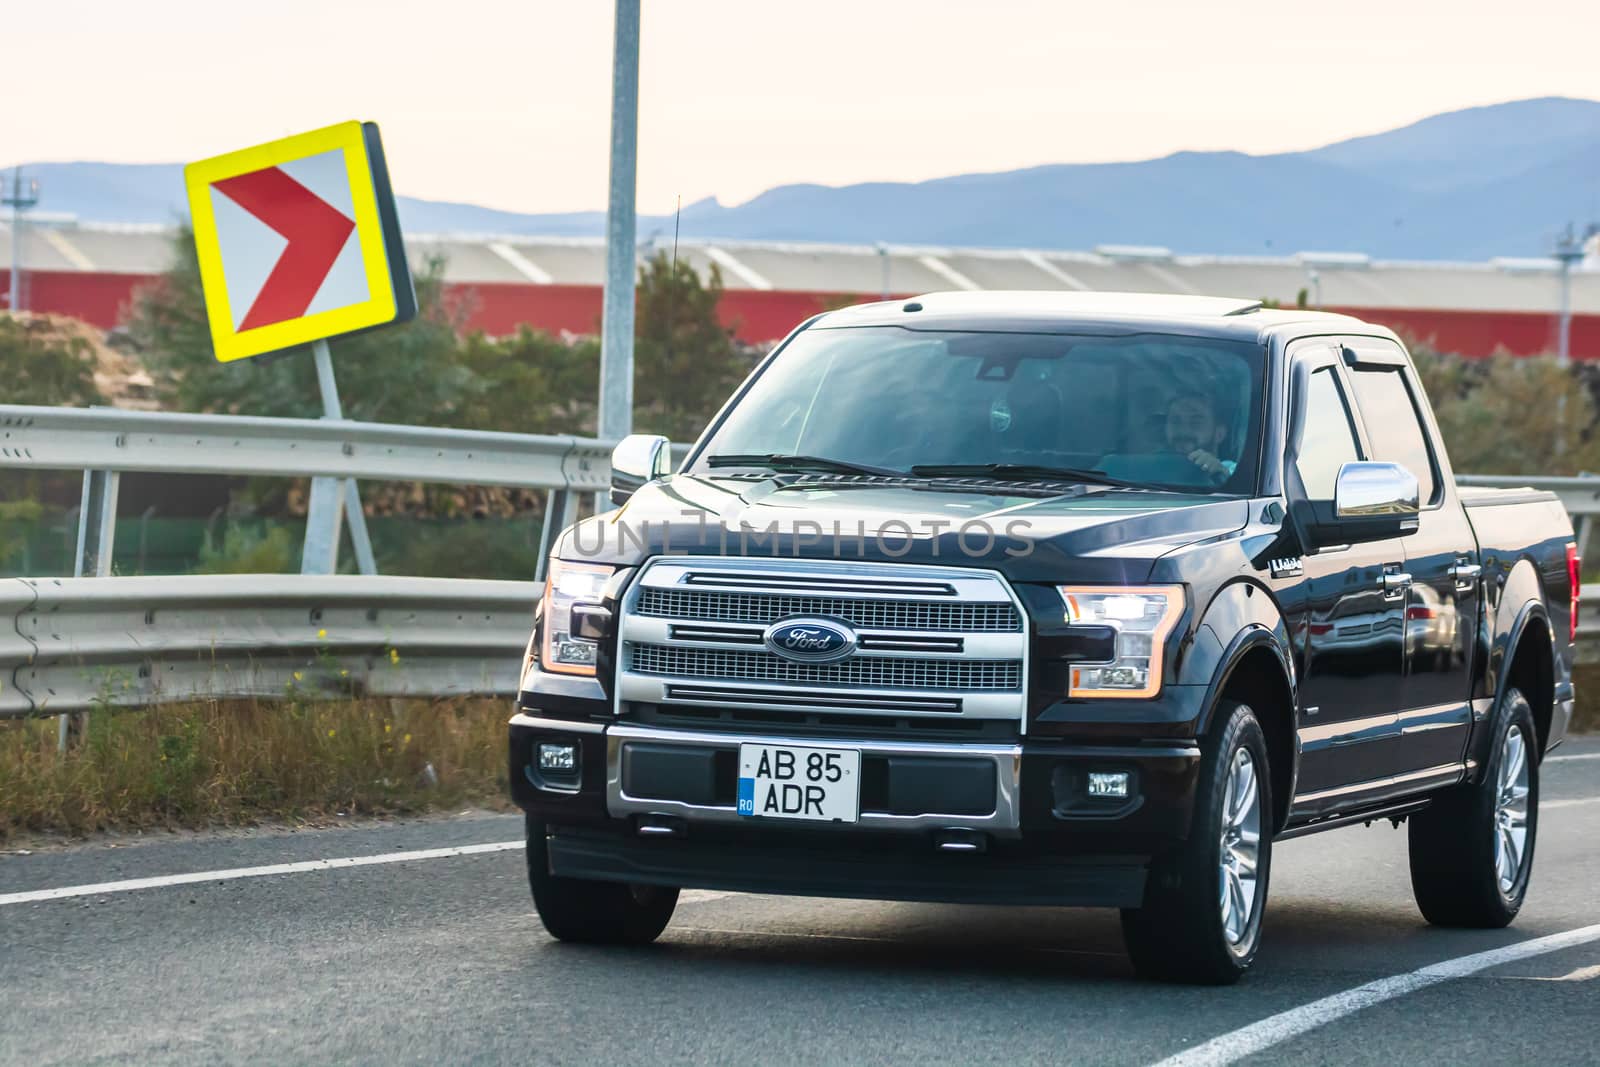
[637, 459]
[1368, 490]
[1371, 502]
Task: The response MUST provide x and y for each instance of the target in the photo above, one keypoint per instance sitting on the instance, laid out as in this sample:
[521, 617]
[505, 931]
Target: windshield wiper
[777, 461]
[1021, 471]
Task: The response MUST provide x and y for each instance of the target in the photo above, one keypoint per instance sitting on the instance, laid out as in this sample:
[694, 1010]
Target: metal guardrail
[105, 442]
[81, 643]
[1579, 494]
[109, 439]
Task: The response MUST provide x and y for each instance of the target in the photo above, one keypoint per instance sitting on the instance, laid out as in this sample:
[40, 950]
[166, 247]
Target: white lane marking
[690, 896]
[304, 867]
[702, 896]
[1574, 757]
[1276, 1029]
[1582, 974]
[1548, 805]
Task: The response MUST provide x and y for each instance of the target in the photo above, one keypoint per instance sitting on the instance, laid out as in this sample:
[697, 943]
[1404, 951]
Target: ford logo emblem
[811, 640]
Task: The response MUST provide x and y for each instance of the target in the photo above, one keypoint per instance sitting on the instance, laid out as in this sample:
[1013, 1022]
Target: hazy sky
[507, 102]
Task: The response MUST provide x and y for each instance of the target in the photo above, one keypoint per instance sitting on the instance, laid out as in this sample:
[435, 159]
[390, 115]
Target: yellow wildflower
[322, 633]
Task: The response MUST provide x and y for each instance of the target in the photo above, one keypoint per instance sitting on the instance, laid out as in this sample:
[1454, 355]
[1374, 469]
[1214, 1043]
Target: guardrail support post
[324, 524]
[332, 499]
[560, 510]
[97, 532]
[97, 525]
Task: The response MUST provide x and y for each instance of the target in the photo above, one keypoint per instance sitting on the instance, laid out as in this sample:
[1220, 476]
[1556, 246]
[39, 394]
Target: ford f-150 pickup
[1051, 599]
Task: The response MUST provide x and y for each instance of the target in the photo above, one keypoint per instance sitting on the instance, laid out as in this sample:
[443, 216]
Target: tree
[1510, 414]
[529, 382]
[685, 359]
[407, 373]
[40, 366]
[424, 372]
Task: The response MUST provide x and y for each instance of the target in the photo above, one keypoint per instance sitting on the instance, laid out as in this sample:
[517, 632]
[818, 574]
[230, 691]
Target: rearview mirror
[1371, 502]
[637, 459]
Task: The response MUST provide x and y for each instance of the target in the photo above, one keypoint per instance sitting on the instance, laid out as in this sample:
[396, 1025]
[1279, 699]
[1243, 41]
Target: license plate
[797, 782]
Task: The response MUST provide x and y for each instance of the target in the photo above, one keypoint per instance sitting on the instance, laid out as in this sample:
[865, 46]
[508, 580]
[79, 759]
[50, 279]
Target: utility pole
[1568, 251]
[19, 197]
[616, 327]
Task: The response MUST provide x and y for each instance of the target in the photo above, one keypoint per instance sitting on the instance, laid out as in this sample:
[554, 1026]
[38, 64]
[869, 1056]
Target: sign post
[298, 241]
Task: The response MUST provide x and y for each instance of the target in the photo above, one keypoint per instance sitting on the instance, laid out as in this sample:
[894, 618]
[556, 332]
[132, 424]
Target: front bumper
[1030, 792]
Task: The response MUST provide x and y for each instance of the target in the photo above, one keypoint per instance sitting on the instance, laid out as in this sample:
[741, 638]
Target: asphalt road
[441, 959]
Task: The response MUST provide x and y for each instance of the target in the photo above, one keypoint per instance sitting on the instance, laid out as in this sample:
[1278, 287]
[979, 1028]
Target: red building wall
[760, 316]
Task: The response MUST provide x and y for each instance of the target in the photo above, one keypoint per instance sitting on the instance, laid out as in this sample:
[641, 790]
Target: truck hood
[1091, 535]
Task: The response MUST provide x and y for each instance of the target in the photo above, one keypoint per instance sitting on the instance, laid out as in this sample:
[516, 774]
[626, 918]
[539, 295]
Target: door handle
[1465, 574]
[1395, 583]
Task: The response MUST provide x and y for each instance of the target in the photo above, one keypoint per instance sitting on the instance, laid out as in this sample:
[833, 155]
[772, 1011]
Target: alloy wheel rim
[1241, 848]
[1511, 810]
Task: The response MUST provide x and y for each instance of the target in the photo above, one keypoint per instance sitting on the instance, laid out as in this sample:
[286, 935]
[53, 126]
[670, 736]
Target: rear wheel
[1472, 848]
[601, 913]
[1201, 917]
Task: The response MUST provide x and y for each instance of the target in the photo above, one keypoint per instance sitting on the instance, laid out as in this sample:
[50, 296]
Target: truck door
[1350, 615]
[1441, 618]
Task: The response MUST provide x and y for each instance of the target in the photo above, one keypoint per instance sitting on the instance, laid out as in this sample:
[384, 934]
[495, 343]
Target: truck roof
[1057, 311]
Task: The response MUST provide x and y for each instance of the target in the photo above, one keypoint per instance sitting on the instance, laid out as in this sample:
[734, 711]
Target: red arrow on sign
[316, 232]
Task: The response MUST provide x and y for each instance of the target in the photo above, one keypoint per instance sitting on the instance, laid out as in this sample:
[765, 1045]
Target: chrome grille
[943, 642]
[874, 614]
[872, 671]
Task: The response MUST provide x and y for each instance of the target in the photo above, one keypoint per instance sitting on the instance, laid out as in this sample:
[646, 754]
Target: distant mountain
[153, 193]
[1498, 180]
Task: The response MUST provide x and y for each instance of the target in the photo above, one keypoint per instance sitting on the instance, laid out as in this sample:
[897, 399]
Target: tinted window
[1393, 428]
[1162, 410]
[1328, 440]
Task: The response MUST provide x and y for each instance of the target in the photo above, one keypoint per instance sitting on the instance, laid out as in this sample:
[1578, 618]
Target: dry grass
[241, 762]
[244, 762]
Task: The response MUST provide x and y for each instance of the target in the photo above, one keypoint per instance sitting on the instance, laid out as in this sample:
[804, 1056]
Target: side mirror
[637, 459]
[1371, 502]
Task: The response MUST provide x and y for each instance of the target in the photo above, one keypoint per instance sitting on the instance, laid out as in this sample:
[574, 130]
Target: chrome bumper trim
[1004, 821]
[523, 719]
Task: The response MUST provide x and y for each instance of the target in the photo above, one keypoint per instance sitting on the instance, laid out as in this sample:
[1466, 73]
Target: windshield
[1166, 411]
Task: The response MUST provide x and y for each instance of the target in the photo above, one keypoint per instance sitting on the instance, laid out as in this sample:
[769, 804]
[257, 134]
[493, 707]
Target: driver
[1195, 432]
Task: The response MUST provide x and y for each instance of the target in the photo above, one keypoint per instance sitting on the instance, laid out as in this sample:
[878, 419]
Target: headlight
[566, 585]
[1143, 617]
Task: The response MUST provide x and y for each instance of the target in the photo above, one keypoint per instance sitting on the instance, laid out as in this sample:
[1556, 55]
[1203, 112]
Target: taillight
[1575, 578]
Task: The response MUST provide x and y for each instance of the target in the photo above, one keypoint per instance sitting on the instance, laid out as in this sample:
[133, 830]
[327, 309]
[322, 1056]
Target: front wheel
[596, 913]
[1200, 921]
[1472, 848]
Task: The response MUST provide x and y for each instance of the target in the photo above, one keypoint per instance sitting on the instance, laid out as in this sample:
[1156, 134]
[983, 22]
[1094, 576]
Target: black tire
[594, 913]
[1179, 933]
[1455, 841]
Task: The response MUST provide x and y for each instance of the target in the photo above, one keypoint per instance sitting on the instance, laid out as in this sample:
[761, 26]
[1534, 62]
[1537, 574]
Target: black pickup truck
[1036, 598]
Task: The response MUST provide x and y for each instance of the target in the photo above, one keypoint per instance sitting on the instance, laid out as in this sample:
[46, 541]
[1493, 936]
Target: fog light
[558, 758]
[1112, 784]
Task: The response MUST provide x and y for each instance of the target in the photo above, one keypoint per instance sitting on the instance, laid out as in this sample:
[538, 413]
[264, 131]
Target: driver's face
[1190, 425]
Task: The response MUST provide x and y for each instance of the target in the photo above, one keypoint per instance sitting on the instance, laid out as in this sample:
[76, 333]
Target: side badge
[1286, 567]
